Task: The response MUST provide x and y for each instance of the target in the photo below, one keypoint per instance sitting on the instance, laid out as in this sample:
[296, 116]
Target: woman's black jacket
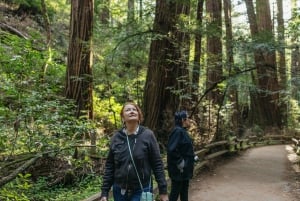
[119, 169]
[180, 147]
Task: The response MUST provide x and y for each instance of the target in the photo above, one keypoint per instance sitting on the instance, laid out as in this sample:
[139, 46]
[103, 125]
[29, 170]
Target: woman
[121, 173]
[180, 157]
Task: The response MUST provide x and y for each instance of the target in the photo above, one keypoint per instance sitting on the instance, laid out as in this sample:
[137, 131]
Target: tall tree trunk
[266, 97]
[167, 68]
[233, 94]
[79, 78]
[104, 11]
[282, 64]
[130, 11]
[214, 61]
[295, 57]
[214, 49]
[229, 38]
[197, 55]
[128, 55]
[126, 58]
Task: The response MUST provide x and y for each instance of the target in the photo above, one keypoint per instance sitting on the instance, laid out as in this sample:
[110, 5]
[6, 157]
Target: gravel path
[258, 174]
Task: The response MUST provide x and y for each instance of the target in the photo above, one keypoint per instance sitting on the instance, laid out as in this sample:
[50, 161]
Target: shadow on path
[258, 174]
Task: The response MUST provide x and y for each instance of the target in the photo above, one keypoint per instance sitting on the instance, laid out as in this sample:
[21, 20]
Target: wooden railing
[216, 149]
[296, 145]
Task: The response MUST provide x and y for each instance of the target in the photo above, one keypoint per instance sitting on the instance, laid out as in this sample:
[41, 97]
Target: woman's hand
[164, 197]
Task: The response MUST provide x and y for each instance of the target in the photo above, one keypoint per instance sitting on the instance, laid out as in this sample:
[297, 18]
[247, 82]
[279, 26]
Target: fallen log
[19, 170]
[12, 30]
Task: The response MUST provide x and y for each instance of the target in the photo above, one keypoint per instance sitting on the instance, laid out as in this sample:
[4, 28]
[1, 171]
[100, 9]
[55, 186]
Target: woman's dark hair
[179, 116]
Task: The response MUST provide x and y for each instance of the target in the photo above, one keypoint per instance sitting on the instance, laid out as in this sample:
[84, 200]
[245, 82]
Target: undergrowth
[22, 189]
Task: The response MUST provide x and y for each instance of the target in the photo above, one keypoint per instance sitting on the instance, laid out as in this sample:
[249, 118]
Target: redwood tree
[214, 63]
[265, 99]
[197, 54]
[232, 88]
[167, 69]
[79, 82]
[214, 48]
[282, 71]
[295, 56]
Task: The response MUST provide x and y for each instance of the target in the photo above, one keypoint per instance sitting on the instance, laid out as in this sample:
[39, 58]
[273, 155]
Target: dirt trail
[259, 174]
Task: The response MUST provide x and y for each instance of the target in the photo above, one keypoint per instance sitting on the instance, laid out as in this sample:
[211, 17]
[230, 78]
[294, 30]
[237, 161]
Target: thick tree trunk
[266, 97]
[79, 79]
[214, 49]
[167, 68]
[214, 63]
[233, 94]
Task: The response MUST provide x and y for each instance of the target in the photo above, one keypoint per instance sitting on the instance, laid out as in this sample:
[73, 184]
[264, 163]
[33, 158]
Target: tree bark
[197, 56]
[295, 56]
[265, 100]
[232, 90]
[214, 49]
[167, 68]
[214, 64]
[282, 64]
[79, 78]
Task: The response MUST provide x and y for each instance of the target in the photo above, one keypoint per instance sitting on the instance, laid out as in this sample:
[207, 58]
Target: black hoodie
[119, 168]
[180, 147]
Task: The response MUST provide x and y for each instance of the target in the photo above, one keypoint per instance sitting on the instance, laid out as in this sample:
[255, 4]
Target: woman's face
[130, 113]
[186, 123]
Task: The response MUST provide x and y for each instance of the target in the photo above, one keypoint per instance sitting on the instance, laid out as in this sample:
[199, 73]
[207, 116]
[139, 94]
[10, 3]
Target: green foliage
[22, 189]
[33, 114]
[33, 7]
[36, 112]
[15, 190]
[294, 113]
[33, 4]
[121, 51]
[90, 185]
[35, 117]
[294, 24]
[109, 109]
[257, 130]
[19, 53]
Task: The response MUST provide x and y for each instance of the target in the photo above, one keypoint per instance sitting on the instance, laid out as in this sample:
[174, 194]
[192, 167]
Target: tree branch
[215, 85]
[19, 170]
[12, 30]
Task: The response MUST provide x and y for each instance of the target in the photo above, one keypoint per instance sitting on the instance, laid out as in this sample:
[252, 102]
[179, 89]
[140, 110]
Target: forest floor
[261, 174]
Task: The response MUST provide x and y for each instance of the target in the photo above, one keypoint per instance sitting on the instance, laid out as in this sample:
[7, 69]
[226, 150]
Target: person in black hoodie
[128, 178]
[180, 157]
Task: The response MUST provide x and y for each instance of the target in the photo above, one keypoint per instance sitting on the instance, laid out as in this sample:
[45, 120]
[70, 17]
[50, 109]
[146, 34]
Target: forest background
[67, 67]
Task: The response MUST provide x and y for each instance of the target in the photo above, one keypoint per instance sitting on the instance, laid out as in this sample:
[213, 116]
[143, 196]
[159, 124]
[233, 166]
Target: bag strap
[135, 166]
